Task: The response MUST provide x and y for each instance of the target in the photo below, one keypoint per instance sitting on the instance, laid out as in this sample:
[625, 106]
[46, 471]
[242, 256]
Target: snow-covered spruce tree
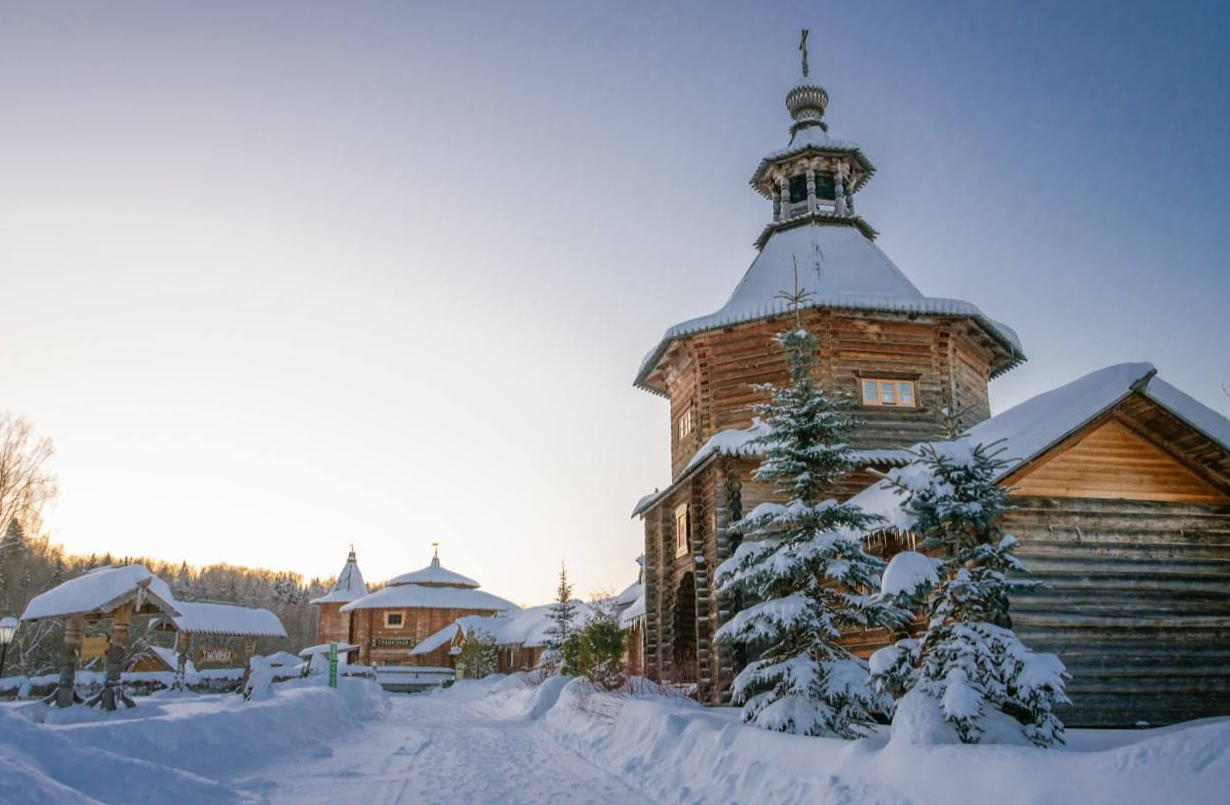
[805, 565]
[969, 659]
[563, 613]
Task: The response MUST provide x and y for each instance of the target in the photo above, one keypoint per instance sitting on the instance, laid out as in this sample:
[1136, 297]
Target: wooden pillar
[839, 194]
[66, 694]
[787, 211]
[811, 188]
[113, 688]
[777, 204]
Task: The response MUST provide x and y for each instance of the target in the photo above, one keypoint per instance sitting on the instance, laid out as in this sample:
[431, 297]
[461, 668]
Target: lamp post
[8, 628]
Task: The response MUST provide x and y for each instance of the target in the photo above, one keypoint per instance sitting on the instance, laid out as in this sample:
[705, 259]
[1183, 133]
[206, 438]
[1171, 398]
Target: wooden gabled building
[1139, 475]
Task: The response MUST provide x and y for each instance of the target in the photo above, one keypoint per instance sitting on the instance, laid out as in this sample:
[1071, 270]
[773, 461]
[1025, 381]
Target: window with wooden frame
[685, 425]
[888, 393]
[681, 531]
[394, 620]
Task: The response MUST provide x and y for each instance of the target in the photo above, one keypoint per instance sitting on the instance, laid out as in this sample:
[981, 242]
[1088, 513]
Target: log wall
[714, 374]
[1137, 605]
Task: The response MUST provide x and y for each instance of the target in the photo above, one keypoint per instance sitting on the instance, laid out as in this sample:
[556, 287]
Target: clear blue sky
[280, 277]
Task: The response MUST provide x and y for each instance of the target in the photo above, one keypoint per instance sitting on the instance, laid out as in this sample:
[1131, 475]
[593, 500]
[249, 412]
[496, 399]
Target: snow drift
[171, 748]
[678, 752]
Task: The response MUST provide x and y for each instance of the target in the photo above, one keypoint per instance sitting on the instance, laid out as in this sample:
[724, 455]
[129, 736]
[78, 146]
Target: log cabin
[388, 624]
[1124, 513]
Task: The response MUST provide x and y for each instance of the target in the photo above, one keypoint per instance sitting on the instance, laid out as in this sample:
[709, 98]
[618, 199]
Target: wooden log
[66, 694]
[113, 689]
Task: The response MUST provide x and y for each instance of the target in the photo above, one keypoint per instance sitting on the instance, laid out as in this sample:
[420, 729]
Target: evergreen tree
[969, 659]
[805, 564]
[563, 613]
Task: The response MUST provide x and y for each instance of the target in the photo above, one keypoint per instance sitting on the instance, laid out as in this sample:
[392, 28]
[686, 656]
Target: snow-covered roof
[168, 657]
[738, 442]
[226, 619]
[1031, 428]
[417, 596]
[323, 648]
[102, 590]
[632, 592]
[435, 574]
[525, 627]
[842, 269]
[633, 613]
[812, 138]
[349, 585]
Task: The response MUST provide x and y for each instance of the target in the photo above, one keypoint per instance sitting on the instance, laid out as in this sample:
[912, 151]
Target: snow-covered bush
[804, 563]
[259, 686]
[969, 659]
[596, 651]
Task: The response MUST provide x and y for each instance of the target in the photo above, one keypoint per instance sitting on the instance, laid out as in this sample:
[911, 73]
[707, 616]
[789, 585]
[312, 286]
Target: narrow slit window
[681, 530]
[889, 393]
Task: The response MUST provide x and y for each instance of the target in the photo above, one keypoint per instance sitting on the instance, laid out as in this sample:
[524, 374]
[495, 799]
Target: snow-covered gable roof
[842, 269]
[417, 596]
[632, 592]
[434, 573]
[349, 585]
[102, 590]
[168, 657]
[1033, 427]
[226, 619]
[323, 648]
[526, 627]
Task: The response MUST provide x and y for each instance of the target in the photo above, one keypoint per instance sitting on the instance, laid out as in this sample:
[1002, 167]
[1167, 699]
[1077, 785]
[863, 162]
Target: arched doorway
[684, 631]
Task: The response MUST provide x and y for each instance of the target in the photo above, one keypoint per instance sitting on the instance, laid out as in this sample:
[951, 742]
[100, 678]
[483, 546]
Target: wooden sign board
[216, 655]
[94, 647]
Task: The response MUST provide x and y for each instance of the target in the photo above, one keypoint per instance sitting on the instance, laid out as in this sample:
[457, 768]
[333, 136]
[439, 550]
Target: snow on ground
[502, 741]
[177, 748]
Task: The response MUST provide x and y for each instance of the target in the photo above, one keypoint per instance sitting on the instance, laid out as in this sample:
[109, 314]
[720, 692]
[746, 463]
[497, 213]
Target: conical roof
[349, 585]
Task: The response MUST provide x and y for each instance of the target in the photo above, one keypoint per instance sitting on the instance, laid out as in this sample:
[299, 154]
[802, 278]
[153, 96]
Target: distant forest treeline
[31, 565]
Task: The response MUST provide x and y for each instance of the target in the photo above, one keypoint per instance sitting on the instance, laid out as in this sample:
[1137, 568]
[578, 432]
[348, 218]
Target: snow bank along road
[444, 748]
[501, 741]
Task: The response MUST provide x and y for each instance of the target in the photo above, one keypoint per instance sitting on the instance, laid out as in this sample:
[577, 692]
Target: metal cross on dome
[803, 48]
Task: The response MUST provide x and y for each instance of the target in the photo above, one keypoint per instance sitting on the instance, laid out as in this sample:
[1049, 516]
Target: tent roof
[349, 585]
[841, 269]
[418, 596]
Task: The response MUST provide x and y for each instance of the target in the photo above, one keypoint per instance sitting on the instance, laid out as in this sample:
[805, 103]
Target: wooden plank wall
[1113, 462]
[1137, 605]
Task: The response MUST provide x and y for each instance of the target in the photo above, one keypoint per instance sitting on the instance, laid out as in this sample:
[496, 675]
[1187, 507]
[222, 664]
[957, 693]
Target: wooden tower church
[904, 357]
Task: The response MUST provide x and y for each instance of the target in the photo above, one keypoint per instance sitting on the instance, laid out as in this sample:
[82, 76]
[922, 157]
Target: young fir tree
[969, 659]
[805, 565]
[563, 613]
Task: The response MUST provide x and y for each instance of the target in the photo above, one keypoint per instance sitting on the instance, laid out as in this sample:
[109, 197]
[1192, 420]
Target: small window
[825, 187]
[681, 530]
[798, 188]
[394, 619]
[685, 424]
[889, 393]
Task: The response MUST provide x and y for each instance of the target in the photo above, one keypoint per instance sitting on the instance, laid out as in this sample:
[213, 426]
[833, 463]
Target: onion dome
[806, 102]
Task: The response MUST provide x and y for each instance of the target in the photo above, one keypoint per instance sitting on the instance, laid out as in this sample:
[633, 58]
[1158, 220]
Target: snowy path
[441, 749]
